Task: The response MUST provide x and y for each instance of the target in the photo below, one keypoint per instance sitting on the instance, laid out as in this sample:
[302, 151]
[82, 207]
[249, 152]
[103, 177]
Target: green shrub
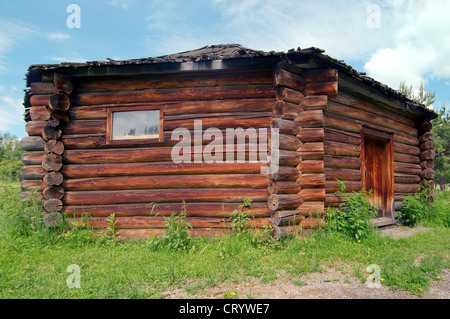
[176, 235]
[439, 211]
[353, 217]
[414, 209]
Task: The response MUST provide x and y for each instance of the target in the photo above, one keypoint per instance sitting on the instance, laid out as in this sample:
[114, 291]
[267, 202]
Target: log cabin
[102, 140]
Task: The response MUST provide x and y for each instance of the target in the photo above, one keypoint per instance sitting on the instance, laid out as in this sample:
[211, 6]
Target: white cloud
[58, 36]
[73, 57]
[419, 47]
[10, 34]
[11, 110]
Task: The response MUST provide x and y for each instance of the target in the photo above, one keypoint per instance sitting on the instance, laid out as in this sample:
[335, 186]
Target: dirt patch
[329, 284]
[397, 232]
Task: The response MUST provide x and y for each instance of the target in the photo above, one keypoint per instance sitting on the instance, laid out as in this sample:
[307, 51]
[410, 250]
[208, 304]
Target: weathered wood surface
[83, 170]
[175, 94]
[283, 187]
[247, 181]
[342, 162]
[288, 79]
[72, 198]
[311, 135]
[311, 167]
[289, 95]
[310, 119]
[225, 210]
[284, 201]
[32, 143]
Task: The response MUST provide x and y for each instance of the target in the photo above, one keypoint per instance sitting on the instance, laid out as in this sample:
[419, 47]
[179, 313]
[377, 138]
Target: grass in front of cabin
[34, 263]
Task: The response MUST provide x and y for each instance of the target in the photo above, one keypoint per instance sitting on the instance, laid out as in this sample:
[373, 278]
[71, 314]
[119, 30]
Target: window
[134, 125]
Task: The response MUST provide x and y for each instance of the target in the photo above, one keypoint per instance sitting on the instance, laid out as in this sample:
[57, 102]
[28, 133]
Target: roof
[228, 52]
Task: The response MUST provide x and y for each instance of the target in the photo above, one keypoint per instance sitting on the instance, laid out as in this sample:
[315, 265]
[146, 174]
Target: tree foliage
[10, 154]
[441, 129]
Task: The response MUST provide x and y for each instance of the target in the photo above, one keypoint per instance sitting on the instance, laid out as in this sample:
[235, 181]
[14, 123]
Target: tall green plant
[353, 217]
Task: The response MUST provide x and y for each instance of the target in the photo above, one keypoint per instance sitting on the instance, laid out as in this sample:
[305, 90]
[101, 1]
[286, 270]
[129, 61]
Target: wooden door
[378, 169]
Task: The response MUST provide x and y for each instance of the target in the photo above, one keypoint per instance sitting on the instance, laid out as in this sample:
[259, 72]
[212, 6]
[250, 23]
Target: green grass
[35, 266]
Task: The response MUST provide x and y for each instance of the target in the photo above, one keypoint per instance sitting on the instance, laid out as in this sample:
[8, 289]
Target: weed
[415, 207]
[111, 228]
[176, 235]
[353, 217]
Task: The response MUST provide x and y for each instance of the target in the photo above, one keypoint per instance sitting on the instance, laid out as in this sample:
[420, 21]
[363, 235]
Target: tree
[424, 97]
[10, 154]
[441, 130]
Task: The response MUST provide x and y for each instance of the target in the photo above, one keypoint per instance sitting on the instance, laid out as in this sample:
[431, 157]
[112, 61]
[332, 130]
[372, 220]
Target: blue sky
[390, 40]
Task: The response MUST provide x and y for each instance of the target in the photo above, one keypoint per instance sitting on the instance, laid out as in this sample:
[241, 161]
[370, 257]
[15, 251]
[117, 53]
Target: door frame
[388, 174]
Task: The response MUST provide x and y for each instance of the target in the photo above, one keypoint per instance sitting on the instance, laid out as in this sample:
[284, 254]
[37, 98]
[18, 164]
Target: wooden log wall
[427, 155]
[302, 99]
[344, 118]
[97, 179]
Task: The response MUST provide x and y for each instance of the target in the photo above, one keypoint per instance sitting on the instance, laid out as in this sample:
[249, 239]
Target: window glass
[135, 125]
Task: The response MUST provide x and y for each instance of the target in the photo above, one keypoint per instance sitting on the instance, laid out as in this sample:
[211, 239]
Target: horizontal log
[342, 174]
[372, 118]
[320, 75]
[406, 158]
[39, 99]
[341, 149]
[141, 222]
[406, 178]
[428, 136]
[315, 102]
[350, 186]
[286, 126]
[426, 126]
[163, 196]
[312, 223]
[52, 130]
[178, 80]
[311, 147]
[42, 87]
[32, 172]
[53, 192]
[276, 202]
[53, 205]
[427, 145]
[34, 128]
[312, 194]
[405, 168]
[374, 107]
[32, 143]
[289, 158]
[427, 164]
[311, 135]
[406, 188]
[311, 167]
[406, 149]
[288, 79]
[285, 218]
[286, 110]
[59, 102]
[30, 185]
[311, 181]
[428, 155]
[32, 158]
[289, 95]
[136, 155]
[62, 84]
[341, 123]
[285, 173]
[238, 120]
[39, 113]
[61, 116]
[180, 108]
[163, 168]
[289, 142]
[311, 209]
[310, 119]
[428, 173]
[248, 181]
[342, 137]
[334, 199]
[223, 210]
[322, 88]
[52, 162]
[283, 187]
[342, 162]
[181, 94]
[53, 179]
[54, 146]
